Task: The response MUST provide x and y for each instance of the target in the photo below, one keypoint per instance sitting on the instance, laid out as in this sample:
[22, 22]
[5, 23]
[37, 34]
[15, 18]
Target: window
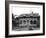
[34, 21]
[31, 22]
[24, 21]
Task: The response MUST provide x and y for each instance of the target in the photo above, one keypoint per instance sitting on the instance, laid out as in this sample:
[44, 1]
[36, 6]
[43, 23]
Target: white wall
[2, 19]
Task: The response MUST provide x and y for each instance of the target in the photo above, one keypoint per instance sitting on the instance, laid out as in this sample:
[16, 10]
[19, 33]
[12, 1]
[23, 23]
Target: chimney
[32, 14]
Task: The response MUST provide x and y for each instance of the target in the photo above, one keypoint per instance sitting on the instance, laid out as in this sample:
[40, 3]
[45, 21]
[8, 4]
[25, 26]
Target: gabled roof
[28, 15]
[31, 15]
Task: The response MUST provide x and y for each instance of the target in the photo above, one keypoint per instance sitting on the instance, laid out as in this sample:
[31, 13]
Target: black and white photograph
[25, 18]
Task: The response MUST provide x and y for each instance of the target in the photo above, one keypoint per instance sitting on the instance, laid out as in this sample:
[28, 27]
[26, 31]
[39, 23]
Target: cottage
[28, 21]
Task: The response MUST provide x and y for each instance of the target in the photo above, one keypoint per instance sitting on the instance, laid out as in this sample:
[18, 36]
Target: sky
[18, 9]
